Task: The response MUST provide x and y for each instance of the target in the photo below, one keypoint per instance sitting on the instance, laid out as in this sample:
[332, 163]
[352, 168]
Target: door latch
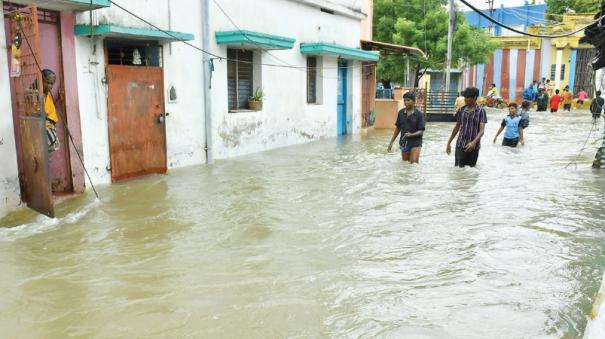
[161, 119]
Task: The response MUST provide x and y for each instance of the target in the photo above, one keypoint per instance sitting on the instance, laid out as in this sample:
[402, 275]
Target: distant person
[534, 90]
[524, 114]
[550, 88]
[470, 127]
[542, 85]
[596, 107]
[514, 129]
[542, 101]
[567, 99]
[410, 122]
[554, 102]
[493, 92]
[581, 97]
[528, 93]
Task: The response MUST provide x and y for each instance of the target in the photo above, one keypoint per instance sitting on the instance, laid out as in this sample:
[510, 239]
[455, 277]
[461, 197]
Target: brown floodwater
[334, 238]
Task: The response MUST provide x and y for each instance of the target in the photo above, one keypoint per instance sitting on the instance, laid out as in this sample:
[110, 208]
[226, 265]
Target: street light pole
[450, 37]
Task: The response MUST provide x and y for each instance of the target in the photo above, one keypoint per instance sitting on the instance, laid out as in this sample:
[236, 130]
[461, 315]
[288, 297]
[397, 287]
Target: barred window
[239, 78]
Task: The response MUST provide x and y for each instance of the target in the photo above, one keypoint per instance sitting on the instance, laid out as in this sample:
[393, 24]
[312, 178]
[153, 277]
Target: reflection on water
[334, 238]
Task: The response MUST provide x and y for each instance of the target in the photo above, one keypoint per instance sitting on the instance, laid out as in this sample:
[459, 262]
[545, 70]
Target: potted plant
[255, 102]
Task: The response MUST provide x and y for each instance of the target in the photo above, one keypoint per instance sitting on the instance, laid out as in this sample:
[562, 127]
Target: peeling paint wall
[9, 174]
[182, 69]
[286, 118]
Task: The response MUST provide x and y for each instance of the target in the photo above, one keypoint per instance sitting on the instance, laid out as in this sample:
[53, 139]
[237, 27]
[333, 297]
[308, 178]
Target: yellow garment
[49, 108]
[493, 92]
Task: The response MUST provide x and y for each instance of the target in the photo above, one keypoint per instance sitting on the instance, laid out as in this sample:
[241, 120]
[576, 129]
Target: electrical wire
[575, 161]
[525, 33]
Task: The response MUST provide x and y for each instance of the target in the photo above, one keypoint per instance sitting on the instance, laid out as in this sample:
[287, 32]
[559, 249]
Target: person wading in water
[410, 122]
[470, 122]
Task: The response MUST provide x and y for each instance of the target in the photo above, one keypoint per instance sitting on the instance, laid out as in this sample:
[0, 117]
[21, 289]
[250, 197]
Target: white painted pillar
[559, 61]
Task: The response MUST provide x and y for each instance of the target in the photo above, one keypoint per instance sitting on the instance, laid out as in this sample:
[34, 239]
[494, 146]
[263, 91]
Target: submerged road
[334, 238]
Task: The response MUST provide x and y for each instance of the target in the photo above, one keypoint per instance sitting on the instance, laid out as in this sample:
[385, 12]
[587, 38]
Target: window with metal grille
[562, 71]
[553, 71]
[142, 53]
[239, 78]
[311, 80]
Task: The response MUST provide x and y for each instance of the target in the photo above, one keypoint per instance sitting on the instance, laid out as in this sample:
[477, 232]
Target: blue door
[341, 122]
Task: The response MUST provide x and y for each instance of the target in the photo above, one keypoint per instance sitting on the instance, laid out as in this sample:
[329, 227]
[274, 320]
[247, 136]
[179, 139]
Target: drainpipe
[207, 64]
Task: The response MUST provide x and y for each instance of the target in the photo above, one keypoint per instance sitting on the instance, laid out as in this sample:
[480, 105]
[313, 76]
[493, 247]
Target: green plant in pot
[255, 102]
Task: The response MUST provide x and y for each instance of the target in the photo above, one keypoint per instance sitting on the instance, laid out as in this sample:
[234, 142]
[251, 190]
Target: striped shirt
[470, 121]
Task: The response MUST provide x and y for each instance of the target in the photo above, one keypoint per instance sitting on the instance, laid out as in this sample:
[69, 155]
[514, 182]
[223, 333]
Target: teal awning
[320, 48]
[253, 40]
[66, 5]
[112, 31]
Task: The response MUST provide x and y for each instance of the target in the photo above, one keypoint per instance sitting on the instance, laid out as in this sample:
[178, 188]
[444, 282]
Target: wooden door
[30, 130]
[137, 134]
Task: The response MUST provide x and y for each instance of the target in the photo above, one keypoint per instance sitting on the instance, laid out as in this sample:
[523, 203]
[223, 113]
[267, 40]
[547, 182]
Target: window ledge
[243, 111]
[314, 104]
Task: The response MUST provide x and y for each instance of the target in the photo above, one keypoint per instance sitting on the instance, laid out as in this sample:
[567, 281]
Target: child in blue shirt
[514, 128]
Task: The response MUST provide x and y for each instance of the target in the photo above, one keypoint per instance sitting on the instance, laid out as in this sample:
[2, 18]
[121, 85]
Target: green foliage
[565, 6]
[424, 24]
[259, 95]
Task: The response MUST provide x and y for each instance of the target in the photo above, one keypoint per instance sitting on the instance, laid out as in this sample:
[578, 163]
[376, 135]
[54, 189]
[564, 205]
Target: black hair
[409, 95]
[598, 93]
[513, 104]
[525, 104]
[557, 91]
[493, 85]
[471, 92]
[47, 73]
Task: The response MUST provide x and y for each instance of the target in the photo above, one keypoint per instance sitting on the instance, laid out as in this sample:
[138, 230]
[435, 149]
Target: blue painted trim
[97, 3]
[480, 75]
[321, 48]
[251, 39]
[497, 76]
[129, 32]
[512, 69]
[572, 69]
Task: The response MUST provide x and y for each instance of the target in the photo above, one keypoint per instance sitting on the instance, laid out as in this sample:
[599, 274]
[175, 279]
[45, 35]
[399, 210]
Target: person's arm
[395, 134]
[448, 149]
[497, 134]
[521, 138]
[471, 146]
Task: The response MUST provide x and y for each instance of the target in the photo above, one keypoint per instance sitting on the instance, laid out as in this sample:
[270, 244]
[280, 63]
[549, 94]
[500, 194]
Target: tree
[558, 7]
[424, 24]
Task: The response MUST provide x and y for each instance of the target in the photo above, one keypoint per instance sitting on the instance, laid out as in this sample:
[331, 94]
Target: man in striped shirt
[470, 122]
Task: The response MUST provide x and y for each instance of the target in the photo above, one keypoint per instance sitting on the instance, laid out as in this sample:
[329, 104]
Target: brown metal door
[34, 168]
[137, 135]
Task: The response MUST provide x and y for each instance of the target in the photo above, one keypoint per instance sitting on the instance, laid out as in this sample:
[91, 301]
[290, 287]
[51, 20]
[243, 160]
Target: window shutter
[311, 80]
[232, 78]
[244, 79]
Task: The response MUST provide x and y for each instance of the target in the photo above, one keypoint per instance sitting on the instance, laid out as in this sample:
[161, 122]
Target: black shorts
[466, 158]
[510, 142]
[580, 102]
[552, 110]
[567, 107]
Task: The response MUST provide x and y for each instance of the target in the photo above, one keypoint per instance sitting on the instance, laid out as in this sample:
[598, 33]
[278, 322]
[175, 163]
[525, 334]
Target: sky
[507, 3]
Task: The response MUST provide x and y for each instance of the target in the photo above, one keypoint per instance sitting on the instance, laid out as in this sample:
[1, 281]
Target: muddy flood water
[334, 238]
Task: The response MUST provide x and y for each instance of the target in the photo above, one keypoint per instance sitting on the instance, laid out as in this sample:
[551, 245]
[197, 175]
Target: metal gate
[441, 106]
[584, 72]
[137, 135]
[34, 168]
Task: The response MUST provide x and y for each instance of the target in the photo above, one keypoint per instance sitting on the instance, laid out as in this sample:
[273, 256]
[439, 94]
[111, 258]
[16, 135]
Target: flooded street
[334, 238]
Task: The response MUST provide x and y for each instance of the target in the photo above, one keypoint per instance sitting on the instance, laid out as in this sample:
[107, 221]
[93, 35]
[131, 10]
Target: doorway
[136, 121]
[341, 122]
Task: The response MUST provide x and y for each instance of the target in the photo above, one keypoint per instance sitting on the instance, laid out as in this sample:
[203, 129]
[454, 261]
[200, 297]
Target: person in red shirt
[554, 102]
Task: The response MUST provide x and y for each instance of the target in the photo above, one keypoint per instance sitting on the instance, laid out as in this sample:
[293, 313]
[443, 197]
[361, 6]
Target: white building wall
[286, 117]
[182, 68]
[9, 182]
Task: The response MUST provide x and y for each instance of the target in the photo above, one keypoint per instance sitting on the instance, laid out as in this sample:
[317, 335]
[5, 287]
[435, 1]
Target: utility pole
[450, 38]
[207, 64]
